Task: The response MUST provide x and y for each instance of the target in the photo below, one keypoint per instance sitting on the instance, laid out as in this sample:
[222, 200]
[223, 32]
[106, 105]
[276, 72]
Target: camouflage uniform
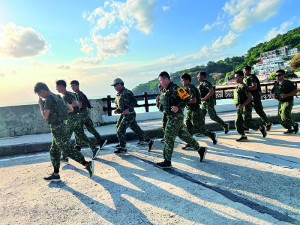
[126, 100]
[285, 105]
[60, 141]
[74, 123]
[174, 125]
[256, 101]
[209, 104]
[85, 118]
[243, 116]
[194, 120]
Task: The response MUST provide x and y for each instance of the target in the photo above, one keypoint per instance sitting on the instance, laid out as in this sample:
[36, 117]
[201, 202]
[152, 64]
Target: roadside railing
[221, 93]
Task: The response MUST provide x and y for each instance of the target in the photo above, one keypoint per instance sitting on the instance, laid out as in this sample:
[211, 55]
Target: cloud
[1, 73]
[63, 67]
[209, 27]
[166, 8]
[223, 42]
[20, 42]
[251, 13]
[283, 29]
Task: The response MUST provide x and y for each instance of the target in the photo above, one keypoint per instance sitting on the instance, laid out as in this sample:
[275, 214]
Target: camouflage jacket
[173, 95]
[240, 94]
[69, 97]
[84, 100]
[249, 81]
[204, 89]
[125, 100]
[194, 93]
[285, 87]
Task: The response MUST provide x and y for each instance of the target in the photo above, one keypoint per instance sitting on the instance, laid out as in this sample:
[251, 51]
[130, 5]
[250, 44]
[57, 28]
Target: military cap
[117, 81]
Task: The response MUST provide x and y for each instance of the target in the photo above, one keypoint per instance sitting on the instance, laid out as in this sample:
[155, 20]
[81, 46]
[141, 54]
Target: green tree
[272, 76]
[295, 62]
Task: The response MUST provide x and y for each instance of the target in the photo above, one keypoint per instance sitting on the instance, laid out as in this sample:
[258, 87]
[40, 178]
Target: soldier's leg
[88, 123]
[122, 125]
[213, 114]
[204, 109]
[70, 127]
[286, 119]
[173, 125]
[184, 135]
[79, 132]
[198, 121]
[55, 152]
[259, 109]
[164, 121]
[239, 122]
[136, 128]
[188, 122]
[247, 116]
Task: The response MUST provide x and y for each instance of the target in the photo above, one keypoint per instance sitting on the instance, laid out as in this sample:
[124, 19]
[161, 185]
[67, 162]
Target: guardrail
[221, 93]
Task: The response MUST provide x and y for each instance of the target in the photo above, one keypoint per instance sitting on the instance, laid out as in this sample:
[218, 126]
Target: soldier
[84, 115]
[207, 101]
[51, 108]
[194, 119]
[164, 118]
[73, 123]
[254, 86]
[284, 91]
[242, 101]
[173, 100]
[125, 103]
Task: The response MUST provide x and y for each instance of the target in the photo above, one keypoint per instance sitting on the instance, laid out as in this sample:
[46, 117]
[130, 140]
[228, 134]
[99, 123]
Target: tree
[273, 76]
[295, 62]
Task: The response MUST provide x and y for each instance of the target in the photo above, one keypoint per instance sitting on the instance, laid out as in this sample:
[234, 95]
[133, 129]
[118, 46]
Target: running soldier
[242, 101]
[254, 86]
[84, 115]
[125, 103]
[73, 123]
[54, 111]
[284, 91]
[194, 119]
[207, 101]
[173, 101]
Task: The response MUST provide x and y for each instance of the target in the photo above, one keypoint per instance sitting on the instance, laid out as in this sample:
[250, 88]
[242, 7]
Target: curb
[112, 138]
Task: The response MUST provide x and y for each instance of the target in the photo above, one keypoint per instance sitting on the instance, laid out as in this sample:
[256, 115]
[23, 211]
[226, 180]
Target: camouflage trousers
[88, 123]
[123, 123]
[61, 144]
[195, 122]
[209, 106]
[259, 109]
[285, 114]
[74, 125]
[175, 127]
[244, 120]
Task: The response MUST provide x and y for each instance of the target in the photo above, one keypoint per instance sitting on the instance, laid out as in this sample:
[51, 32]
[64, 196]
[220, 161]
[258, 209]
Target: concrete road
[257, 182]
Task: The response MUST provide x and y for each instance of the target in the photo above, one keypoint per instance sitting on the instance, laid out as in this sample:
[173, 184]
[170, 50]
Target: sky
[95, 42]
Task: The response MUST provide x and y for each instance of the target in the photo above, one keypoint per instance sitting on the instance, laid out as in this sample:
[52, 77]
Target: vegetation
[223, 70]
[295, 62]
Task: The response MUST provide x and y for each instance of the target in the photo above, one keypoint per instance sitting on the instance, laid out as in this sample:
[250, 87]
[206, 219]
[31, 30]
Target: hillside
[222, 70]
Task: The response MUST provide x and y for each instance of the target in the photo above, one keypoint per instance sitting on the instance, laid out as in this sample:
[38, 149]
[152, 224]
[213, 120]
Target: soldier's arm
[193, 98]
[253, 86]
[44, 112]
[210, 93]
[69, 108]
[249, 99]
[292, 93]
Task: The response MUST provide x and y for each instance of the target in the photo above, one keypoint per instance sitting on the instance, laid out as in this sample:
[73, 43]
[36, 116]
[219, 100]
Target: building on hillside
[284, 51]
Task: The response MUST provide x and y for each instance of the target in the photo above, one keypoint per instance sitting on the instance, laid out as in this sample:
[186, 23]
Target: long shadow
[148, 195]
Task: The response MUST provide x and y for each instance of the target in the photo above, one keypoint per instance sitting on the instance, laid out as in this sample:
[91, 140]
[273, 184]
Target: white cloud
[283, 29]
[236, 6]
[63, 67]
[209, 27]
[166, 8]
[251, 13]
[20, 42]
[223, 42]
[86, 46]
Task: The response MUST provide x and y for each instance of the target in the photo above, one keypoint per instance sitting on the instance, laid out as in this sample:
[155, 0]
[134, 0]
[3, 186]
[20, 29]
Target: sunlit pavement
[254, 182]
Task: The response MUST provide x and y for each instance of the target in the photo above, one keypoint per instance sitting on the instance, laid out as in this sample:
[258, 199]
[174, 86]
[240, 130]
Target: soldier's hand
[273, 96]
[240, 106]
[157, 97]
[41, 101]
[202, 100]
[125, 112]
[174, 109]
[283, 95]
[115, 112]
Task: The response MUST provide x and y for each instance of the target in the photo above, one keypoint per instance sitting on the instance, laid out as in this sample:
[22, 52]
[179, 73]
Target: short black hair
[240, 73]
[61, 83]
[186, 76]
[40, 86]
[281, 71]
[164, 75]
[203, 73]
[247, 68]
[74, 82]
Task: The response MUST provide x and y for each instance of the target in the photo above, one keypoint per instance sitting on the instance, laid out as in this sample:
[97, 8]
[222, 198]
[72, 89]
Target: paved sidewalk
[41, 142]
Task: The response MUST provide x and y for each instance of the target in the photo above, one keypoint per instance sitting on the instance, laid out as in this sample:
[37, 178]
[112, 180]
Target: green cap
[117, 81]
